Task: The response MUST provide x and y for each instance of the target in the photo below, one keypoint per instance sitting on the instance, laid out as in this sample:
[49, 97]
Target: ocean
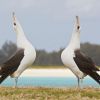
[50, 82]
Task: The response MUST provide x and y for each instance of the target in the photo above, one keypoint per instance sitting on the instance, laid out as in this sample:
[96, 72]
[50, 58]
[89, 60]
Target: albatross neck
[21, 39]
[75, 40]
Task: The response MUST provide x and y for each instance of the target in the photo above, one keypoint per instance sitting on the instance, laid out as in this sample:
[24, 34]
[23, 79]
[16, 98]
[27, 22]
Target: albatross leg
[78, 79]
[16, 80]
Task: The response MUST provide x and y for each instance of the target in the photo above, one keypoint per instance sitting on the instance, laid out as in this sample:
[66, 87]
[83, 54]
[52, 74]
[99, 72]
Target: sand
[47, 73]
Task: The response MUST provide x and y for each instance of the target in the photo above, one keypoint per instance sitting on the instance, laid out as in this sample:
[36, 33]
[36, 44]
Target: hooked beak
[14, 18]
[13, 15]
[77, 23]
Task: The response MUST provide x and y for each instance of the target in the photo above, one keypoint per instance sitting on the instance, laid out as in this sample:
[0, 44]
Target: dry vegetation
[31, 93]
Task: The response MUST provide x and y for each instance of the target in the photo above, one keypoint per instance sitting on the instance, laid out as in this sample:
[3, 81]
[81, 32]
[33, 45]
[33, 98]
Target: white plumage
[22, 42]
[68, 53]
[23, 57]
[79, 63]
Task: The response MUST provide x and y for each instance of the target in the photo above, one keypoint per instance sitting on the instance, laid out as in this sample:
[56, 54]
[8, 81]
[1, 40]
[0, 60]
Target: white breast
[29, 58]
[67, 59]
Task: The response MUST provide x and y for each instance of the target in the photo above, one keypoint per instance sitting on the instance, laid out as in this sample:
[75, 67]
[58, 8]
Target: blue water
[49, 82]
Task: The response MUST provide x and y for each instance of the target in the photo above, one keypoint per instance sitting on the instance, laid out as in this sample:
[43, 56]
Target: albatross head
[75, 39]
[16, 25]
[77, 25]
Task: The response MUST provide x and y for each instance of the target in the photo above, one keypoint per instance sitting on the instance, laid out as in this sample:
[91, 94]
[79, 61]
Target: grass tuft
[39, 93]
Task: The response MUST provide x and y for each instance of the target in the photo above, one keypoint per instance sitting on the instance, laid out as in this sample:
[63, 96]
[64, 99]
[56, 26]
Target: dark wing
[11, 65]
[86, 65]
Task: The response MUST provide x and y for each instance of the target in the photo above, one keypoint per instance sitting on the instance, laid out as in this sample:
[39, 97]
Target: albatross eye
[14, 24]
[78, 27]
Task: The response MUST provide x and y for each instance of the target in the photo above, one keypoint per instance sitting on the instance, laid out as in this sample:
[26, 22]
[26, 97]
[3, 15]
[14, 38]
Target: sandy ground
[47, 73]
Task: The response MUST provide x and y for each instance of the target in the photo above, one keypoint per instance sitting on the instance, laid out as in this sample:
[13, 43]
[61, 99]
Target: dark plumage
[11, 65]
[86, 65]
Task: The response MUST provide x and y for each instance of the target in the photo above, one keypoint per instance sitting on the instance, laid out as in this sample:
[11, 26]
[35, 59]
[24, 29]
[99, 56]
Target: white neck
[75, 39]
[21, 38]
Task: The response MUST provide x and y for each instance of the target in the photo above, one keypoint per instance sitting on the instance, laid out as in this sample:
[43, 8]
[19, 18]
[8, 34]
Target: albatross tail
[3, 75]
[95, 76]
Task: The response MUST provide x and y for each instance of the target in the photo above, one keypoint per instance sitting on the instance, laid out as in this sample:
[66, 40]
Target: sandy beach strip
[47, 73]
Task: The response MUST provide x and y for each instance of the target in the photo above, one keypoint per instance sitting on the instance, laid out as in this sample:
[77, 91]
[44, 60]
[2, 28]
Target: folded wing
[11, 65]
[86, 65]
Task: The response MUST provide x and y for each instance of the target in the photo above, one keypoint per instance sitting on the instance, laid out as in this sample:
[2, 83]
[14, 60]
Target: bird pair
[80, 64]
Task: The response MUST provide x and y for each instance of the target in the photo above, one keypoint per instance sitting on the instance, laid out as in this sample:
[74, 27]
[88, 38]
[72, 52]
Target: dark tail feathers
[3, 75]
[95, 76]
[2, 78]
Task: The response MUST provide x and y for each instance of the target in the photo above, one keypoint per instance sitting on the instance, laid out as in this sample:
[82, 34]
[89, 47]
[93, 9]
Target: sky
[48, 24]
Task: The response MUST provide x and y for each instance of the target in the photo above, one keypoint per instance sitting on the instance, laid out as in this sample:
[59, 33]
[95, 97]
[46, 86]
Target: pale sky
[48, 24]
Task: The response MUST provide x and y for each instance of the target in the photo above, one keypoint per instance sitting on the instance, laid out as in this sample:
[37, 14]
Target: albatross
[74, 59]
[23, 57]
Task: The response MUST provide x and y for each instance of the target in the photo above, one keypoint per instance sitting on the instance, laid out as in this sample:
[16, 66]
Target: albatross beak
[14, 18]
[77, 23]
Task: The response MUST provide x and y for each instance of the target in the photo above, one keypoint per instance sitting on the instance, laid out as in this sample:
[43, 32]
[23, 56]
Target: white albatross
[79, 63]
[21, 59]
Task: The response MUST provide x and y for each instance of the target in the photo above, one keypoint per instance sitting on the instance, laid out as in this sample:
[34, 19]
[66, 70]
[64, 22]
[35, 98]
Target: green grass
[31, 93]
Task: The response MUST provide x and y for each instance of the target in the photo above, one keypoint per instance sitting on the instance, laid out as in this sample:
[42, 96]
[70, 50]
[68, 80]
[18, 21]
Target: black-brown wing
[11, 65]
[86, 65]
